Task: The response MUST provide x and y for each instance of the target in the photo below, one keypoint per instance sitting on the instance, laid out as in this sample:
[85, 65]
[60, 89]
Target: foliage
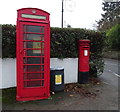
[8, 96]
[8, 41]
[113, 35]
[64, 44]
[110, 16]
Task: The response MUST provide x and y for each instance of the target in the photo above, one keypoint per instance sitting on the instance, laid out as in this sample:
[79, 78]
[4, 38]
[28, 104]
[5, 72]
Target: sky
[77, 13]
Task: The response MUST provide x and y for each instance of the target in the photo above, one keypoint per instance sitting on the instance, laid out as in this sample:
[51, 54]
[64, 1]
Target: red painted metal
[84, 53]
[33, 55]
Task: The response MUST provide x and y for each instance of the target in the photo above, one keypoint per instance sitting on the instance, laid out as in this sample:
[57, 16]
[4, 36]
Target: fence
[8, 73]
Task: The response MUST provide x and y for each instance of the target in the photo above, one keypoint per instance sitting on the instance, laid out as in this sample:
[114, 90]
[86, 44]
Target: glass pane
[42, 53]
[42, 60]
[42, 37]
[34, 60]
[31, 28]
[42, 75]
[42, 67]
[35, 52]
[33, 83]
[34, 76]
[34, 45]
[42, 45]
[39, 83]
[41, 29]
[34, 37]
[32, 68]
[31, 36]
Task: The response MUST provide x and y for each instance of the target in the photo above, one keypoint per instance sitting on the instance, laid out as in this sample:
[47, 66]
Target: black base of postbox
[83, 77]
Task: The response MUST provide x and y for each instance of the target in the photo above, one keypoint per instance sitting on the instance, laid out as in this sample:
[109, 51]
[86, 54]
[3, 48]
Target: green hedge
[64, 44]
[8, 41]
[113, 37]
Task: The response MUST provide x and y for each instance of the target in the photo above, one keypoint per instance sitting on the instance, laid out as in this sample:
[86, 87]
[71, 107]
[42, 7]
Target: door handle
[21, 51]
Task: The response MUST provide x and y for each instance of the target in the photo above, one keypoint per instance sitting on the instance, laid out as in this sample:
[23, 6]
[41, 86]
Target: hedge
[64, 44]
[113, 37]
[8, 41]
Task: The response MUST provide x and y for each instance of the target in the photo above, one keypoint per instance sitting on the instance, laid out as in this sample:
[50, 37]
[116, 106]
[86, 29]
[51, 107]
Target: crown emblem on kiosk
[33, 11]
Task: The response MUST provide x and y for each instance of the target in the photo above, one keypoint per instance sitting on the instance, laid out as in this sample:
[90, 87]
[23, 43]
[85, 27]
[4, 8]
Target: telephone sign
[33, 54]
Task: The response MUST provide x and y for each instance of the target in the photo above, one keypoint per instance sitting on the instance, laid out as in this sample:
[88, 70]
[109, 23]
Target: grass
[9, 95]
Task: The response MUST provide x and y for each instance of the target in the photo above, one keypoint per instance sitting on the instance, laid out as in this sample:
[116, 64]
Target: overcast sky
[77, 13]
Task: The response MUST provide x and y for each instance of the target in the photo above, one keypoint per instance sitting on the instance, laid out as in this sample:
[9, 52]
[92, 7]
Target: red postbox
[33, 54]
[84, 53]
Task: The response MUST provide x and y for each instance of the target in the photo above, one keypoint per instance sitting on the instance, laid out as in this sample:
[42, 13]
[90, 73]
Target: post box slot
[85, 47]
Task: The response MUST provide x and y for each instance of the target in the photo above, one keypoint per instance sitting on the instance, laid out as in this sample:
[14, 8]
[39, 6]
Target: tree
[114, 37]
[110, 17]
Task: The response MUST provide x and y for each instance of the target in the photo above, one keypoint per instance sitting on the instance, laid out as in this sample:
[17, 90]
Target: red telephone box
[84, 53]
[33, 54]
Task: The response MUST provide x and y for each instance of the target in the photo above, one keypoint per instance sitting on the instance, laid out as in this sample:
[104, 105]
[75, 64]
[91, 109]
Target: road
[111, 72]
[112, 66]
[111, 78]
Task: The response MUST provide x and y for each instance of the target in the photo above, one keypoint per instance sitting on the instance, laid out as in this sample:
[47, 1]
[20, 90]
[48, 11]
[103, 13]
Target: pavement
[106, 95]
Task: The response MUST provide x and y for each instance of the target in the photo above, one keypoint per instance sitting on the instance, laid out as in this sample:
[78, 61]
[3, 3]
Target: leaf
[71, 95]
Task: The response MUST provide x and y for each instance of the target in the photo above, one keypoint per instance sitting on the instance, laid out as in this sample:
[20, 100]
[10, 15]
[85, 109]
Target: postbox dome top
[84, 42]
